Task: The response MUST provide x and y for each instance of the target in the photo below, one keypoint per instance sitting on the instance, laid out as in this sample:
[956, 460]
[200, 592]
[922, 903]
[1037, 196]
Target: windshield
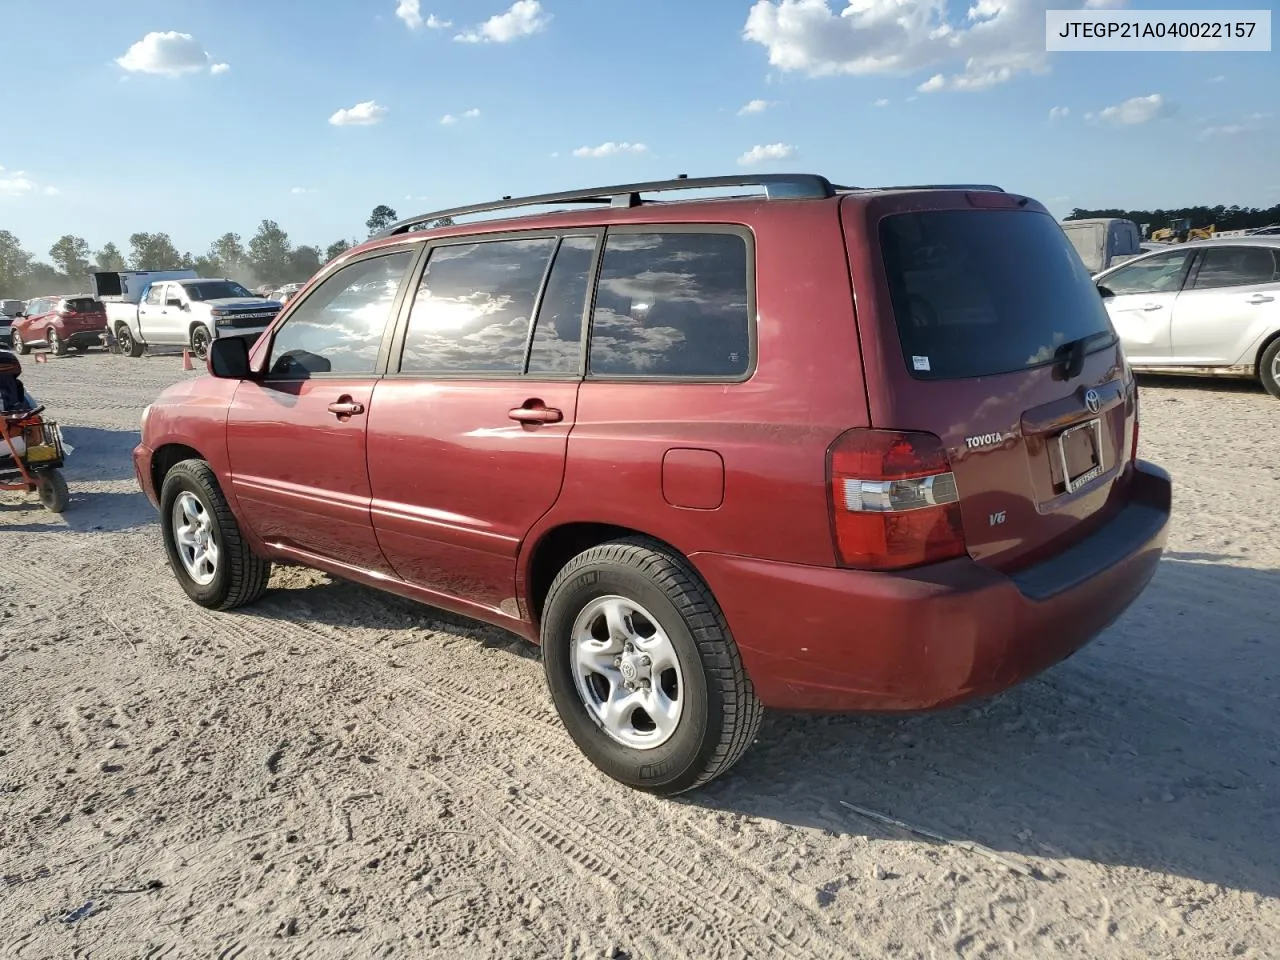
[983, 292]
[215, 290]
[82, 305]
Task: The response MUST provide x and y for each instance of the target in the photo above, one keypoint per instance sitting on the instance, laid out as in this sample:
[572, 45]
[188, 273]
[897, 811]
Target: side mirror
[229, 359]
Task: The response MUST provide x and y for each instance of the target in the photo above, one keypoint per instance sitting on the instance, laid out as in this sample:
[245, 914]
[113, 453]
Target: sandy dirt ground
[335, 772]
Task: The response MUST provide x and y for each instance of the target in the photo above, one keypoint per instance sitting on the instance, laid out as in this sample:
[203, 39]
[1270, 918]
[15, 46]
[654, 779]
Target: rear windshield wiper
[1069, 358]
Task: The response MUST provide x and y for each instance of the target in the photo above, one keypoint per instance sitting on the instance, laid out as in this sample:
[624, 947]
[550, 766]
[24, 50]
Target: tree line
[1223, 218]
[269, 258]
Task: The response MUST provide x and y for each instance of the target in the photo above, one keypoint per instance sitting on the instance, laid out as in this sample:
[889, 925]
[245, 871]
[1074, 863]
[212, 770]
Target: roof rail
[929, 186]
[777, 186]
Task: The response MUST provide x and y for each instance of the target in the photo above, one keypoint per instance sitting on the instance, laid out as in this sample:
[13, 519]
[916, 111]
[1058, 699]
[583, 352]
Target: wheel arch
[166, 457]
[1266, 343]
[557, 545]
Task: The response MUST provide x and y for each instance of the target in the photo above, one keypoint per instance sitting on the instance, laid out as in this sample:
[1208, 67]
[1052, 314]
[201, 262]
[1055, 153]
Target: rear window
[983, 292]
[82, 304]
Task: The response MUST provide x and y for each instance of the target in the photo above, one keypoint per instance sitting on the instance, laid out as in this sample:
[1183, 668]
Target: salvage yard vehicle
[59, 323]
[1205, 308]
[179, 309]
[8, 310]
[658, 439]
[1104, 241]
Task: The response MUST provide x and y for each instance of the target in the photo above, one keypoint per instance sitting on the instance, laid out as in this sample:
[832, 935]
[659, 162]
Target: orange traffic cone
[186, 360]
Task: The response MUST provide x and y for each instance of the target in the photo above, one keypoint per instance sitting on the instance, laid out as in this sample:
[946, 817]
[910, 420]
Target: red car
[60, 323]
[828, 448]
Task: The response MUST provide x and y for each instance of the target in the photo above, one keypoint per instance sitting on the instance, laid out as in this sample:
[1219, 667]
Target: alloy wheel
[194, 538]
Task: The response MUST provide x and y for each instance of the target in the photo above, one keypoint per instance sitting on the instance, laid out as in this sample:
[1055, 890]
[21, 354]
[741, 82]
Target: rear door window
[474, 306]
[983, 292]
[1235, 267]
[673, 304]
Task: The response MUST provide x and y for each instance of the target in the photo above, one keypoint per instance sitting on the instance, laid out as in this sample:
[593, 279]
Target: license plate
[1080, 454]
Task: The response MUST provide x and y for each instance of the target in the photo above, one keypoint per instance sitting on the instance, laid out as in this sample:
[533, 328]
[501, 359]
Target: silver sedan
[1205, 308]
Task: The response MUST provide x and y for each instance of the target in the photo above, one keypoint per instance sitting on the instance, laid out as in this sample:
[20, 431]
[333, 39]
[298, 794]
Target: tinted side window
[1159, 274]
[473, 307]
[672, 305]
[339, 327]
[557, 335]
[1235, 267]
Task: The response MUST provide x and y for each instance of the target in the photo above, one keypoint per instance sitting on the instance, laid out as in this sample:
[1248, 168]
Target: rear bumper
[85, 338]
[826, 639]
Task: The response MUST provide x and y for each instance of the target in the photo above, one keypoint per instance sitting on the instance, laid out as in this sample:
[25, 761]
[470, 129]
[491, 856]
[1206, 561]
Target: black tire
[54, 342]
[240, 576]
[200, 340]
[124, 338]
[18, 344]
[720, 713]
[51, 487]
[1269, 368]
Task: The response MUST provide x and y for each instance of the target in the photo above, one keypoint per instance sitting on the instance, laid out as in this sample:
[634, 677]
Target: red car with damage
[803, 447]
[60, 324]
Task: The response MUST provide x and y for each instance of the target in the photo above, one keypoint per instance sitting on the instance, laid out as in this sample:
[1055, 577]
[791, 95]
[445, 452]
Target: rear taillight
[894, 502]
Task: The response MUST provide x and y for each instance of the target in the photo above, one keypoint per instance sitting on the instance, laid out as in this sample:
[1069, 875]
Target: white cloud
[363, 114]
[882, 102]
[168, 54]
[766, 152]
[449, 119]
[610, 149]
[754, 106]
[526, 17]
[1057, 113]
[991, 43]
[1135, 110]
[15, 183]
[435, 23]
[1250, 124]
[1218, 79]
[410, 11]
[51, 191]
[299, 191]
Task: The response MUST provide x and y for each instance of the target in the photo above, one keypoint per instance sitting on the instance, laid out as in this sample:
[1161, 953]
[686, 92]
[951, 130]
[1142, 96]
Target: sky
[202, 117]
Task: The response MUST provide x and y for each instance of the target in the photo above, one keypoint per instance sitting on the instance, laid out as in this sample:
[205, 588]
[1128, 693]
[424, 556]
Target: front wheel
[206, 550]
[200, 341]
[51, 487]
[643, 670]
[19, 345]
[1269, 368]
[56, 346]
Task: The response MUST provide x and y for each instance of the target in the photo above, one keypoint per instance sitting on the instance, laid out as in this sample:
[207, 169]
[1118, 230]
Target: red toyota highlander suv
[825, 448]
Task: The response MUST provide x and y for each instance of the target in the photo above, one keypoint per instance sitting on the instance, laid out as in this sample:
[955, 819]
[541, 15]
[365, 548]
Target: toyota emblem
[1092, 400]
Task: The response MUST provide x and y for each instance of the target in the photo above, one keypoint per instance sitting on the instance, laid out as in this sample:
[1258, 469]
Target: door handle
[346, 408]
[1260, 298]
[534, 411]
[1147, 308]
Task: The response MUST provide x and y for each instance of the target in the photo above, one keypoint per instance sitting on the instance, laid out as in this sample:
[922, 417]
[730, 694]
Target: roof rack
[928, 186]
[777, 186]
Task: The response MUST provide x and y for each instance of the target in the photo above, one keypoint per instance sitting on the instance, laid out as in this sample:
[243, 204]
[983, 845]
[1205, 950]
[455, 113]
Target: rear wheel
[19, 345]
[209, 556]
[642, 669]
[124, 338]
[1269, 368]
[56, 346]
[200, 341]
[51, 487]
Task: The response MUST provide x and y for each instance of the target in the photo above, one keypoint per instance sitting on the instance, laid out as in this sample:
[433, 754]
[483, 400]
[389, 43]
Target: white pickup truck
[176, 308]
